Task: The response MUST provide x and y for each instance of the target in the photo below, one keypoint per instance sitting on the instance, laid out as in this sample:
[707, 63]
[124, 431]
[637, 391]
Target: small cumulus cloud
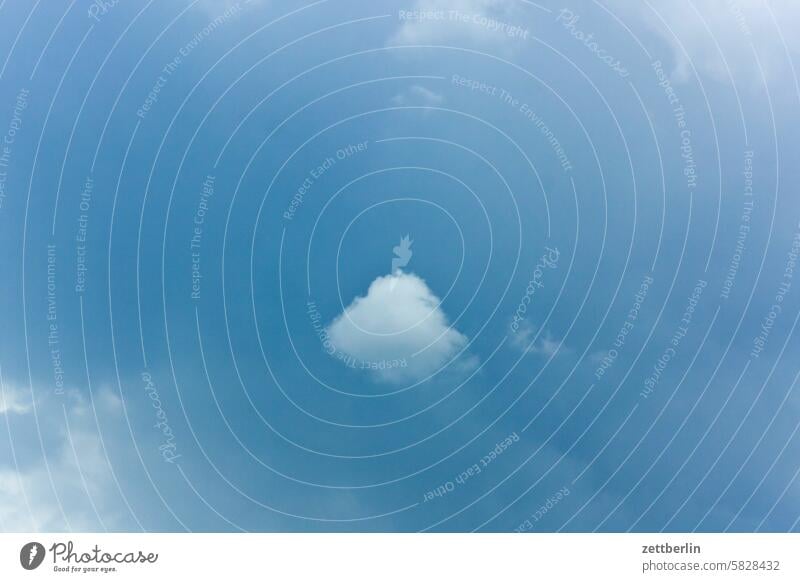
[399, 332]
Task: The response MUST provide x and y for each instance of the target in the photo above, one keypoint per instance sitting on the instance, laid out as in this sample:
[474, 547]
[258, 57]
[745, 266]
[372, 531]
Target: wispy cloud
[13, 400]
[720, 38]
[418, 95]
[546, 345]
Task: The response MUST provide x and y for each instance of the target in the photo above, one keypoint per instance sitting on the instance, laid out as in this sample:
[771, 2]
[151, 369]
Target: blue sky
[441, 265]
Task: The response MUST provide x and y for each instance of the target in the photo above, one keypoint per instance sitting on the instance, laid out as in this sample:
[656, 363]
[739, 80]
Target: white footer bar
[402, 557]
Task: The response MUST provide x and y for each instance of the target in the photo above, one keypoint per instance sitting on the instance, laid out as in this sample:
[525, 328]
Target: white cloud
[498, 23]
[13, 400]
[398, 331]
[722, 38]
[418, 95]
[72, 457]
[545, 345]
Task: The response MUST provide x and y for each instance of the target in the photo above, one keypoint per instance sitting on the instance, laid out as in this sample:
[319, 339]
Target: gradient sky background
[551, 183]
